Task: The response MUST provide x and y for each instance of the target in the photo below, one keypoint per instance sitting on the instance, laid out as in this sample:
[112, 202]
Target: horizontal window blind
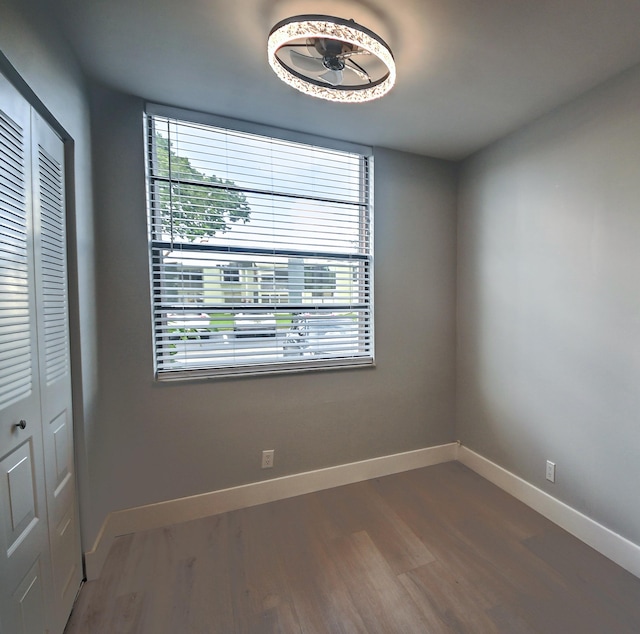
[261, 254]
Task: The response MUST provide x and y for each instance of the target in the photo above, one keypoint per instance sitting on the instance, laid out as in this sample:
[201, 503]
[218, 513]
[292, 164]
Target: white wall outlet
[267, 458]
[551, 471]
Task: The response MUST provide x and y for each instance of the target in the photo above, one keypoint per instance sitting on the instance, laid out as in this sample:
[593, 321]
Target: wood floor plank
[608, 587]
[127, 613]
[477, 496]
[437, 550]
[398, 543]
[136, 568]
[379, 597]
[359, 507]
[322, 599]
[507, 620]
[259, 586]
[95, 606]
[211, 601]
[455, 604]
[163, 571]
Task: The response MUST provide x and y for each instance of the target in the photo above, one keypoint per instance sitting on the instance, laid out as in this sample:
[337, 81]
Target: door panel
[29, 600]
[17, 308]
[24, 549]
[55, 371]
[63, 466]
[20, 492]
[65, 557]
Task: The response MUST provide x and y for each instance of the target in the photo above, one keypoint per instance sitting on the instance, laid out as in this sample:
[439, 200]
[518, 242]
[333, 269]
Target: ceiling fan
[331, 58]
[328, 59]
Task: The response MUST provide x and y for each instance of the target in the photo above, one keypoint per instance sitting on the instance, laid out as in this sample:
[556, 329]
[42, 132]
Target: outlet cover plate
[267, 458]
[551, 471]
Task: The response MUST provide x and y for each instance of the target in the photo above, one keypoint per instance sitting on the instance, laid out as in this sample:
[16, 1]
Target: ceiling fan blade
[304, 62]
[311, 47]
[358, 70]
[355, 51]
[333, 77]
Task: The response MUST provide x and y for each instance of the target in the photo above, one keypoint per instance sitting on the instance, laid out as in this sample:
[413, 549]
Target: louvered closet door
[54, 364]
[25, 581]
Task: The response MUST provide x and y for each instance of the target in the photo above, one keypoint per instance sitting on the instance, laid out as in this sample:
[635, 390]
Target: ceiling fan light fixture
[358, 43]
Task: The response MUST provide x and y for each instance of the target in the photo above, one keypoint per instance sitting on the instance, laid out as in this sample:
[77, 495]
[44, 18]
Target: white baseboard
[617, 548]
[190, 508]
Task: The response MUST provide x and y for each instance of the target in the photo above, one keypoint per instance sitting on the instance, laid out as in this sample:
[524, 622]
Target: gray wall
[163, 441]
[44, 62]
[549, 303]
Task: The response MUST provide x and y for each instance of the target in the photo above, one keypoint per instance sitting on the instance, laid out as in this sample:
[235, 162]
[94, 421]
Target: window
[261, 252]
[231, 274]
[184, 285]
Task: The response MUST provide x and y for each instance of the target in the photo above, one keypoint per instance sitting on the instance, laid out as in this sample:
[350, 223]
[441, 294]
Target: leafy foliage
[192, 209]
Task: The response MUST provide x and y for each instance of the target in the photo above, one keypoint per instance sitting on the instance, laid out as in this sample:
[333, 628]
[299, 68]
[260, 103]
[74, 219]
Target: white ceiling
[469, 71]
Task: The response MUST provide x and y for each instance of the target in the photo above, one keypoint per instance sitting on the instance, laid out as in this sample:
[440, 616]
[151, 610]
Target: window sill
[207, 374]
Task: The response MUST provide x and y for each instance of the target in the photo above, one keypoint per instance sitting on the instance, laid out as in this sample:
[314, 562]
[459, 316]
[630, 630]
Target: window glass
[260, 252]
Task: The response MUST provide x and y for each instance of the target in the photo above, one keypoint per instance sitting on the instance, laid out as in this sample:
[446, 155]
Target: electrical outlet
[551, 471]
[267, 458]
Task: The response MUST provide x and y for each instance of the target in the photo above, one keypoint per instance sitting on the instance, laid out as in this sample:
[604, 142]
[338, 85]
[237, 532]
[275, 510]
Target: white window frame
[365, 358]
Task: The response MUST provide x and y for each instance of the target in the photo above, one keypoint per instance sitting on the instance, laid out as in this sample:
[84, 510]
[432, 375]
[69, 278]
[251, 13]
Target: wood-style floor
[433, 550]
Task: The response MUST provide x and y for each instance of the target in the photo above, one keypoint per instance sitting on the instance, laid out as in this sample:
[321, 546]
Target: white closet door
[25, 581]
[54, 364]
